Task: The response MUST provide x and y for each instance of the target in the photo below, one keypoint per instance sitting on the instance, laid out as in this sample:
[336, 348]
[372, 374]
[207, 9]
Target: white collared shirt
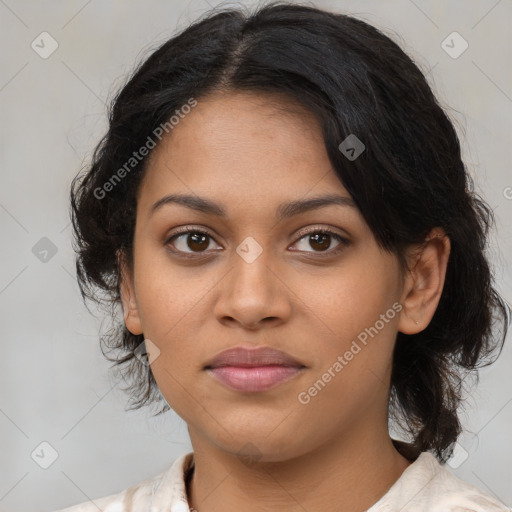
[425, 486]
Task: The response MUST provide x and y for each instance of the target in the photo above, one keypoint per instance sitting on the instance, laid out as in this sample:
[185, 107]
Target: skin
[247, 153]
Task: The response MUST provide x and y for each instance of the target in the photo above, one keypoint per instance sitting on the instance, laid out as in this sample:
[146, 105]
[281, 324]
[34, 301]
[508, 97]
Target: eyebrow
[284, 210]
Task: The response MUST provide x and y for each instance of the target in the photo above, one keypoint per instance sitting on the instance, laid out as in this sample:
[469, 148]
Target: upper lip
[251, 357]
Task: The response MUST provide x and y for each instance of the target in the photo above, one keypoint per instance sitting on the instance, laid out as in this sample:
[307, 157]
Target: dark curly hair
[409, 179]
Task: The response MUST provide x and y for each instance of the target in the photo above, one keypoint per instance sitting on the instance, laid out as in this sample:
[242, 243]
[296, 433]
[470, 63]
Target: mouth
[256, 378]
[253, 369]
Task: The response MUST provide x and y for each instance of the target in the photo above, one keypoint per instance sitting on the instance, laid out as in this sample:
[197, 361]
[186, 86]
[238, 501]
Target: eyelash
[188, 230]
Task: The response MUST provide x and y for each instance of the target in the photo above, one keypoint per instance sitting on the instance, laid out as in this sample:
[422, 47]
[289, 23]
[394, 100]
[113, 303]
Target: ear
[424, 281]
[130, 309]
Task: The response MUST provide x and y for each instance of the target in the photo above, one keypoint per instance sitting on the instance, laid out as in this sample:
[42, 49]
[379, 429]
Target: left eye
[321, 241]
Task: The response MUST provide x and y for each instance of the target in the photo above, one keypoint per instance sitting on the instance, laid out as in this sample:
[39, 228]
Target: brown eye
[321, 241]
[190, 241]
[195, 241]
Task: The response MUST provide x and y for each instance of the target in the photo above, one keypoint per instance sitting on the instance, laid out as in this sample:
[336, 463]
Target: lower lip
[253, 379]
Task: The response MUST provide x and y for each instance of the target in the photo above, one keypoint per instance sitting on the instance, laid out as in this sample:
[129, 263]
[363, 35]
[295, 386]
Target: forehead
[250, 145]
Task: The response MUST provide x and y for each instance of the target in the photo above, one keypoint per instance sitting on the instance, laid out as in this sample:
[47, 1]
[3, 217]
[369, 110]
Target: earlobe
[129, 304]
[424, 282]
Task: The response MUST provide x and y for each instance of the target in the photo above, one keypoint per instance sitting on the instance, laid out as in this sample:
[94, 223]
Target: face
[310, 282]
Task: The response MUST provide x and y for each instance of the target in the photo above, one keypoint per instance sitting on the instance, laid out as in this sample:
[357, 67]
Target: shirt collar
[415, 480]
[170, 495]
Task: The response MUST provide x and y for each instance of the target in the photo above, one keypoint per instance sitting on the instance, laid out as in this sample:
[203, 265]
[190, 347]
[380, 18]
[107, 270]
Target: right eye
[190, 241]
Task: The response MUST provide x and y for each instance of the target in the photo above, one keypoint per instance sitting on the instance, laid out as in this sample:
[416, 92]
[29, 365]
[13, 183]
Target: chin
[253, 447]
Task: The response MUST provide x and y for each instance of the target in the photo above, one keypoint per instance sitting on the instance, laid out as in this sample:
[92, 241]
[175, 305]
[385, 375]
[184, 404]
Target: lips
[252, 357]
[253, 369]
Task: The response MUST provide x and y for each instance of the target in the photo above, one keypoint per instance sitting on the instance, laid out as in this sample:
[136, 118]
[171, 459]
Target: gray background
[55, 383]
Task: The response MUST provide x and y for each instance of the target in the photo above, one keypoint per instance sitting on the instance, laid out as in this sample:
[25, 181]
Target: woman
[281, 209]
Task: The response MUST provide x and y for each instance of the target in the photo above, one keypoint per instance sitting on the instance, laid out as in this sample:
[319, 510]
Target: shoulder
[448, 493]
[129, 499]
[145, 495]
[428, 486]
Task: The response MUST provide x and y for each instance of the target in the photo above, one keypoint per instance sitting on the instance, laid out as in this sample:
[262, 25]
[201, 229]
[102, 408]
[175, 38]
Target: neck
[355, 471]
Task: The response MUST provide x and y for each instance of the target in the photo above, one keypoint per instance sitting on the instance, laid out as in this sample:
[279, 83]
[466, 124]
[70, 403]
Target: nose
[253, 294]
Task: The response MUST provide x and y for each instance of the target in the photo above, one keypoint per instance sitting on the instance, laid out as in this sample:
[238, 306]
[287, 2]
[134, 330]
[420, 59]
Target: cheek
[166, 294]
[354, 314]
[348, 298]
[175, 378]
[352, 379]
